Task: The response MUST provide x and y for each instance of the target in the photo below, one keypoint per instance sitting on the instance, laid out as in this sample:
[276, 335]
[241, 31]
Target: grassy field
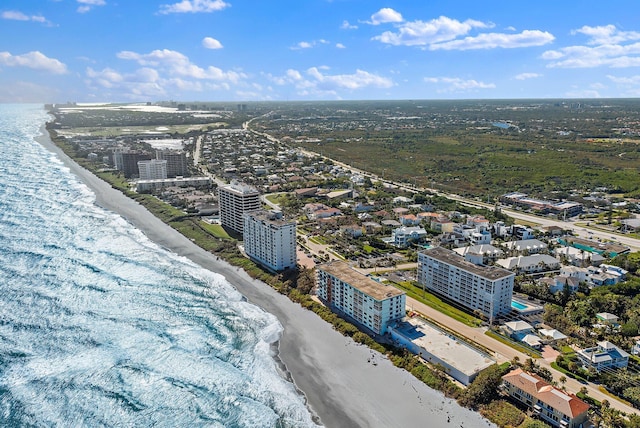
[215, 230]
[486, 164]
[438, 304]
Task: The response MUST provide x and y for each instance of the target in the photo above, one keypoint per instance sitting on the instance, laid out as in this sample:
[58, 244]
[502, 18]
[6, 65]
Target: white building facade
[235, 200]
[487, 289]
[153, 169]
[369, 303]
[270, 240]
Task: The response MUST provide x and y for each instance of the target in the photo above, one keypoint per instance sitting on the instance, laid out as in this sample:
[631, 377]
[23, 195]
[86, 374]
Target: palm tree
[563, 380]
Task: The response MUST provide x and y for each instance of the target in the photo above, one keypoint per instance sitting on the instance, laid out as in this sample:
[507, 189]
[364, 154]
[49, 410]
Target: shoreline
[341, 386]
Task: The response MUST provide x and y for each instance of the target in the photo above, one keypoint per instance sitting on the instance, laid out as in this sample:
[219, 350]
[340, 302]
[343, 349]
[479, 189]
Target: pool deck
[527, 307]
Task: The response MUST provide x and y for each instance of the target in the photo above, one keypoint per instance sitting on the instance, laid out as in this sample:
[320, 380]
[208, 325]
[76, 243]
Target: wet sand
[346, 384]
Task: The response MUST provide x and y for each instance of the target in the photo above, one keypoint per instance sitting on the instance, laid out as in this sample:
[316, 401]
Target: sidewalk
[503, 352]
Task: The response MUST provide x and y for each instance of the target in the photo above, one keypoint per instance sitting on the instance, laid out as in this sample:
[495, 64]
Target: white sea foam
[102, 327]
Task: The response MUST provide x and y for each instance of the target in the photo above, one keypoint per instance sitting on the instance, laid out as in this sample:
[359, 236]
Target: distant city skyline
[230, 50]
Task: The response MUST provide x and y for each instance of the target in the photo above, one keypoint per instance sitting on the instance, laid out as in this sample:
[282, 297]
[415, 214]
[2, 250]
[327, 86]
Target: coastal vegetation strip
[297, 285]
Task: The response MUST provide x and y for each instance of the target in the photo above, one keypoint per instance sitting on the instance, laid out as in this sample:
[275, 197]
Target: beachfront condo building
[487, 289]
[177, 165]
[152, 169]
[236, 199]
[369, 303]
[270, 240]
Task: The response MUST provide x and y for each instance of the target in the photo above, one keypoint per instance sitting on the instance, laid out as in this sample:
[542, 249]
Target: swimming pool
[517, 305]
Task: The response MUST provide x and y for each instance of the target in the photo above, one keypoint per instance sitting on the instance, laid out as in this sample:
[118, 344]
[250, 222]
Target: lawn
[438, 304]
[215, 229]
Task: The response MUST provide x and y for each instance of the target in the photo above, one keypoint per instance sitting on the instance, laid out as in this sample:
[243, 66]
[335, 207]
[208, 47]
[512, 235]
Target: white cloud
[632, 80]
[455, 84]
[582, 93]
[107, 78]
[419, 33]
[178, 64]
[526, 38]
[317, 82]
[143, 83]
[605, 47]
[294, 74]
[303, 45]
[340, 46]
[211, 43]
[86, 5]
[16, 15]
[35, 60]
[594, 56]
[194, 6]
[385, 15]
[346, 26]
[606, 34]
[630, 86]
[525, 76]
[357, 80]
[309, 45]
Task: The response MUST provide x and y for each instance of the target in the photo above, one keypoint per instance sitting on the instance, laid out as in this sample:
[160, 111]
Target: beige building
[368, 302]
[235, 200]
[547, 402]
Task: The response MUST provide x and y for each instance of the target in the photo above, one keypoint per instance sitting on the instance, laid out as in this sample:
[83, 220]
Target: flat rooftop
[271, 217]
[444, 346]
[359, 281]
[607, 247]
[443, 255]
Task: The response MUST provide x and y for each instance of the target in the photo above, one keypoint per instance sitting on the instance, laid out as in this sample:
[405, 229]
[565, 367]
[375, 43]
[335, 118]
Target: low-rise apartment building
[550, 404]
[368, 302]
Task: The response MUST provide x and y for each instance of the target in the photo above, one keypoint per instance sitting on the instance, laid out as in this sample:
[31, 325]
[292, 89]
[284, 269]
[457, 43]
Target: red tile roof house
[549, 403]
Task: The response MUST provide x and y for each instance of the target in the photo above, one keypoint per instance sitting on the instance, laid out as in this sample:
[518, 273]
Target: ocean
[99, 326]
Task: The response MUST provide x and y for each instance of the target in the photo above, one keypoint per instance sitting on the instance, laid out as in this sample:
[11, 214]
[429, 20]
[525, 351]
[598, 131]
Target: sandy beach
[346, 384]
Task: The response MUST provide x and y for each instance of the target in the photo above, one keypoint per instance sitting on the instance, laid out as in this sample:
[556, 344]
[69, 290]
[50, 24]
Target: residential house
[442, 224]
[488, 252]
[557, 283]
[522, 232]
[578, 257]
[605, 355]
[607, 319]
[530, 264]
[527, 246]
[517, 329]
[409, 220]
[403, 236]
[352, 230]
[480, 238]
[551, 334]
[552, 405]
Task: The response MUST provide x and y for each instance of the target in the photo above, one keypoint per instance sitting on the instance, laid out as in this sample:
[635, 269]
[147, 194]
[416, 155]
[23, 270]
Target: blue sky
[252, 50]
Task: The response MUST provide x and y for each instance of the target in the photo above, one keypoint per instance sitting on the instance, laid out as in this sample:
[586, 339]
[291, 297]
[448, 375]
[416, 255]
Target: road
[503, 352]
[477, 335]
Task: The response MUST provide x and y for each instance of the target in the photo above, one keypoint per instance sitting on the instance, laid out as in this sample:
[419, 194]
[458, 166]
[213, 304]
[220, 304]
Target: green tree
[483, 389]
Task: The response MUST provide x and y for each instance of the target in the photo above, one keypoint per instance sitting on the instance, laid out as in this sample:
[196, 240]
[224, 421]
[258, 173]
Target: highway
[502, 352]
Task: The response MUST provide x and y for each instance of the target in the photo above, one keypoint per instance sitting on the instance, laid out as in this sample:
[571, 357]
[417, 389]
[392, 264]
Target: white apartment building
[270, 240]
[235, 200]
[153, 169]
[370, 303]
[487, 289]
